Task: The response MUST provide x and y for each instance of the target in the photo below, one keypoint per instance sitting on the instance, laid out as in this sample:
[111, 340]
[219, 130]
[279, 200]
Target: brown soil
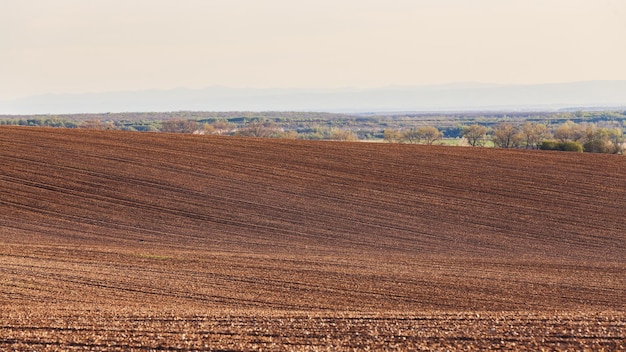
[118, 241]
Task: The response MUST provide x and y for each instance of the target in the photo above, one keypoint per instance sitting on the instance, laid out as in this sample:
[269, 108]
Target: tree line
[596, 131]
[568, 136]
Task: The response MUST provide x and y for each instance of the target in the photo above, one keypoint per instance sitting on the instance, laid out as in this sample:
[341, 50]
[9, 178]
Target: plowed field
[137, 241]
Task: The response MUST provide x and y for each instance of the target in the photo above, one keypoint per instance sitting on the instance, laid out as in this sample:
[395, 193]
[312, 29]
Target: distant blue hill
[454, 97]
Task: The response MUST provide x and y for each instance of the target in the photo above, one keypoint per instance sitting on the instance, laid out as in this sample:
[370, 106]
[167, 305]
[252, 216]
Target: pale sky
[76, 46]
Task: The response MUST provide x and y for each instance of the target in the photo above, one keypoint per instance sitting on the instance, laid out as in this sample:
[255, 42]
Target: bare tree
[616, 137]
[429, 134]
[260, 129]
[179, 126]
[534, 134]
[392, 136]
[475, 134]
[222, 127]
[604, 140]
[505, 135]
[570, 131]
[411, 136]
[343, 135]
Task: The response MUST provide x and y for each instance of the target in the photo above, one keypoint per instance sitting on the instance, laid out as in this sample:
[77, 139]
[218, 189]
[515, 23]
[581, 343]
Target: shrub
[549, 145]
[597, 146]
[568, 146]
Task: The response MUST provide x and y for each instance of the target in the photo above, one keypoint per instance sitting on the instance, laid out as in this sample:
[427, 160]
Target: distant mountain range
[453, 97]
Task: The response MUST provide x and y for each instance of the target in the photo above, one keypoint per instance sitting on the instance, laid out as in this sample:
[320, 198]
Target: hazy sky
[61, 46]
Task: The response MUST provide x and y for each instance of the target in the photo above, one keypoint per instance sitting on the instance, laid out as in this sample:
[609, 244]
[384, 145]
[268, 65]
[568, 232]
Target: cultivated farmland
[137, 241]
